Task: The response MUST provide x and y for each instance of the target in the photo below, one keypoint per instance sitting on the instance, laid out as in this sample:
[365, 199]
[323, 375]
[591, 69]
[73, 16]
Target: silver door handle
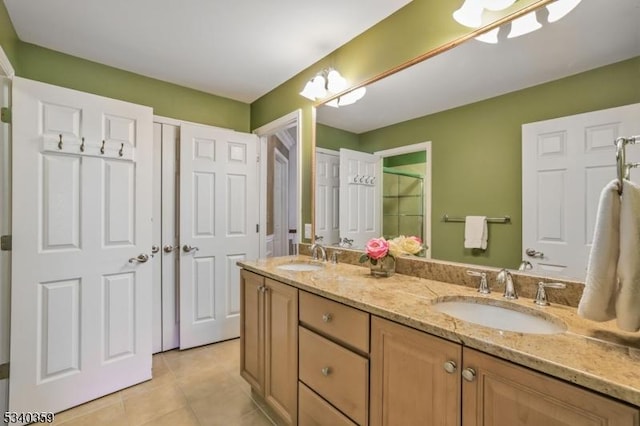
[168, 248]
[188, 249]
[533, 253]
[155, 249]
[141, 258]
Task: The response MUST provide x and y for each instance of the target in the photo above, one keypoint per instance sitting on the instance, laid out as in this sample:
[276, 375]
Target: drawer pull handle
[327, 317]
[450, 367]
[469, 374]
[326, 371]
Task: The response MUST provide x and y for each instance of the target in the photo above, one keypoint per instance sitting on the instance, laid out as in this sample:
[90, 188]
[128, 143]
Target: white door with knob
[81, 276]
[360, 196]
[218, 227]
[566, 162]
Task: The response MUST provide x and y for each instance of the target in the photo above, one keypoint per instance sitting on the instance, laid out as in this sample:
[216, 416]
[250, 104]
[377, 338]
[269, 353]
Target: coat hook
[102, 147]
[60, 143]
[82, 145]
[121, 152]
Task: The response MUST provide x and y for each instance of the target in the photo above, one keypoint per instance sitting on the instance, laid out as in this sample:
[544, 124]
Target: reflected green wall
[477, 154]
[332, 138]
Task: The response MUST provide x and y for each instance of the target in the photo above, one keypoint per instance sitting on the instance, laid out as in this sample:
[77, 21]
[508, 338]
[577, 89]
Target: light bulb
[470, 14]
[496, 5]
[489, 36]
[557, 10]
[352, 97]
[524, 25]
[335, 82]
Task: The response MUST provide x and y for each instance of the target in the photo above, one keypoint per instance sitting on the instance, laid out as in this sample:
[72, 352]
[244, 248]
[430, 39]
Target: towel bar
[505, 219]
[621, 162]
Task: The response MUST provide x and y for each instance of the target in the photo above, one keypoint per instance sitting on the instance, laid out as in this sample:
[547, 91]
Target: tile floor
[200, 386]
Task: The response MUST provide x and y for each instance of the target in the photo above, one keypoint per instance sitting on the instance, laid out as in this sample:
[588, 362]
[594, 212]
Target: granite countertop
[596, 356]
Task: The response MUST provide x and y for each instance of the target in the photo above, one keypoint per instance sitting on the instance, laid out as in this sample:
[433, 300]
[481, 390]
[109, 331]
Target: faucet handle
[483, 288]
[541, 294]
[334, 256]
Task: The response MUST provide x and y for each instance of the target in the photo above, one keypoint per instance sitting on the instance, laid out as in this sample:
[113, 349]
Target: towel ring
[622, 167]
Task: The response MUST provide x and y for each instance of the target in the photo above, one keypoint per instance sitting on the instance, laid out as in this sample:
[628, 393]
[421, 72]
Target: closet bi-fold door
[81, 279]
[218, 227]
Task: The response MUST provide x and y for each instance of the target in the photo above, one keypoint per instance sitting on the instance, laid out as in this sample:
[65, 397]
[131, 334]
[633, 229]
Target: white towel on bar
[601, 285]
[476, 232]
[628, 302]
[612, 287]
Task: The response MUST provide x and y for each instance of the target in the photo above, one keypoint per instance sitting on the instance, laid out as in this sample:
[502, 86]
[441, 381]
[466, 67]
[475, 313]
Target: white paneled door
[81, 285]
[328, 196]
[360, 196]
[566, 162]
[218, 227]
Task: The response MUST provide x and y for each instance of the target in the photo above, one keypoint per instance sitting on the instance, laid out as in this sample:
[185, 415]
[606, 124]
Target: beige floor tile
[144, 387]
[211, 383]
[155, 403]
[88, 407]
[225, 409]
[107, 416]
[255, 418]
[181, 417]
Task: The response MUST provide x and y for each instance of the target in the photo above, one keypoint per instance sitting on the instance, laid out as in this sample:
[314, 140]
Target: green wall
[167, 99]
[477, 154]
[8, 38]
[420, 27]
[332, 138]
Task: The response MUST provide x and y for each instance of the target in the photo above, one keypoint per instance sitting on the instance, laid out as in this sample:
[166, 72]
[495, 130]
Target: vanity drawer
[343, 323]
[315, 411]
[335, 373]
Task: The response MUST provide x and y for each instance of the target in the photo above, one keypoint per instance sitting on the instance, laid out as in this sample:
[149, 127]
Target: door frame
[279, 158]
[294, 118]
[418, 147]
[6, 74]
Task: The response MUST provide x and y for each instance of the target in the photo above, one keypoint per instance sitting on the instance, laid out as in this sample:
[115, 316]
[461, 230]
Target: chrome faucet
[541, 294]
[483, 287]
[504, 277]
[314, 251]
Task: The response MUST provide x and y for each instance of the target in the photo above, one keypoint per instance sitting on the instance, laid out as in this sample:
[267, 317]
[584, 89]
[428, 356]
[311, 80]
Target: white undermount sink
[301, 266]
[478, 311]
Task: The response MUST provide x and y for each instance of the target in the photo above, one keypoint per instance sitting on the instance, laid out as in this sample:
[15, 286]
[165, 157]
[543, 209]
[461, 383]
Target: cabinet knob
[469, 374]
[450, 367]
[326, 371]
[327, 317]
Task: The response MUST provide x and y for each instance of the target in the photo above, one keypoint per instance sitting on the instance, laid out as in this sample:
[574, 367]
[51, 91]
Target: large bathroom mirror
[463, 111]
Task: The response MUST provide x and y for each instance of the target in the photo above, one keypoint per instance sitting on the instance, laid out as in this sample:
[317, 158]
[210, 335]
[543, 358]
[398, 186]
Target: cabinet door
[504, 394]
[281, 349]
[252, 330]
[409, 385]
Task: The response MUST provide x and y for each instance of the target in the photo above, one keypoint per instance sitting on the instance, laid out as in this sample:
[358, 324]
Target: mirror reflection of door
[281, 196]
[327, 196]
[406, 192]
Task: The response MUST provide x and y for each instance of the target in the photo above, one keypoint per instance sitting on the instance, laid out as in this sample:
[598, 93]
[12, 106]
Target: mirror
[470, 104]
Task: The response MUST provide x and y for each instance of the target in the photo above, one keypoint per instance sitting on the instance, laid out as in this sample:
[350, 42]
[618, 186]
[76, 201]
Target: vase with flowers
[381, 253]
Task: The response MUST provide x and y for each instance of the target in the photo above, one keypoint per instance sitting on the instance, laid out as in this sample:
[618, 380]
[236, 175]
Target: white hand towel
[476, 232]
[601, 285]
[628, 303]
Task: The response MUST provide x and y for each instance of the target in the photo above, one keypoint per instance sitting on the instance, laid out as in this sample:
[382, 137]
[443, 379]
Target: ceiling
[594, 34]
[236, 49]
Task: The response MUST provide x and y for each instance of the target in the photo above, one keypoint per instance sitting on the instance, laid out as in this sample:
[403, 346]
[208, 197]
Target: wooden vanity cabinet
[334, 364]
[409, 383]
[269, 342]
[503, 394]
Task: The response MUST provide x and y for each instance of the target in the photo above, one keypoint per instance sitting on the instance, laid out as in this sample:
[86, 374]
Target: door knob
[141, 258]
[533, 253]
[450, 367]
[168, 248]
[469, 374]
[155, 249]
[188, 249]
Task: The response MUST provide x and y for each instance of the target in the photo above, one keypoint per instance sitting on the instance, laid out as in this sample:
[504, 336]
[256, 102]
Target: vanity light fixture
[325, 83]
[471, 12]
[348, 98]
